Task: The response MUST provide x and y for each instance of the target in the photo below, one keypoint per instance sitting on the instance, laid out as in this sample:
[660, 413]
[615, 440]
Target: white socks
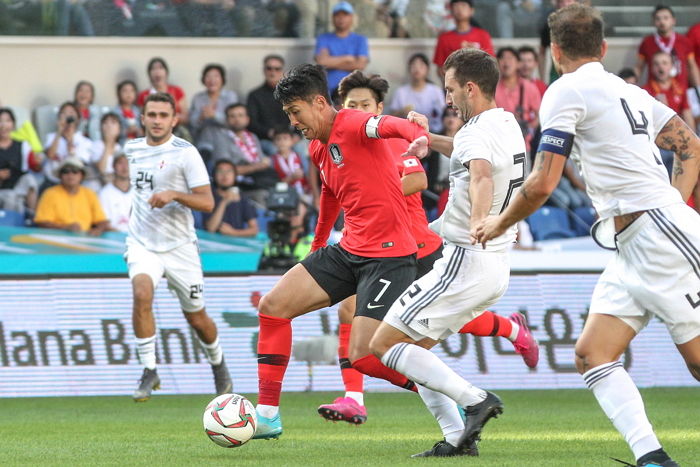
[213, 351]
[445, 412]
[514, 332]
[146, 350]
[425, 368]
[358, 397]
[620, 400]
[268, 411]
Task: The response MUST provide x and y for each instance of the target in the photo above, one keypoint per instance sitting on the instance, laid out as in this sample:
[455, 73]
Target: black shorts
[378, 282]
[425, 264]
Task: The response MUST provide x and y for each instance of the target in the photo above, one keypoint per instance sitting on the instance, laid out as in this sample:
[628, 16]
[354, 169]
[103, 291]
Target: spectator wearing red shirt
[693, 36]
[667, 89]
[158, 76]
[464, 35]
[528, 64]
[375, 258]
[665, 39]
[517, 95]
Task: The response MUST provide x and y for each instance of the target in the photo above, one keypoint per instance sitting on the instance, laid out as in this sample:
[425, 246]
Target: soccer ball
[230, 420]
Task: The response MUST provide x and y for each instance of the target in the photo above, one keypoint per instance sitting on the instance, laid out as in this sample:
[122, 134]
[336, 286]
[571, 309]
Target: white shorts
[462, 284]
[181, 267]
[656, 272]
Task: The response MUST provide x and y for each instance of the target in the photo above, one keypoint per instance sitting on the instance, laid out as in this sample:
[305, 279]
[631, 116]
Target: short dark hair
[273, 57]
[661, 8]
[377, 85]
[160, 97]
[470, 2]
[72, 105]
[9, 112]
[155, 60]
[234, 106]
[526, 49]
[126, 82]
[217, 67]
[110, 115]
[476, 66]
[221, 162]
[282, 130]
[419, 56]
[508, 49]
[578, 30]
[302, 82]
[627, 73]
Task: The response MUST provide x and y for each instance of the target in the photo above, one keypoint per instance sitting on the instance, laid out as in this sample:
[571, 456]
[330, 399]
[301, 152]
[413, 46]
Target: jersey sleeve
[410, 164]
[195, 170]
[362, 46]
[321, 43]
[387, 126]
[328, 213]
[562, 109]
[439, 56]
[471, 144]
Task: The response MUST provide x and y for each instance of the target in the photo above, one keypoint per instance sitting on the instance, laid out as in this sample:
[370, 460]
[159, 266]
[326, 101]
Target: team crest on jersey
[336, 155]
[161, 164]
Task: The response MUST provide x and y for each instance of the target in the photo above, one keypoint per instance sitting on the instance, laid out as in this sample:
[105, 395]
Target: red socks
[372, 366]
[274, 348]
[352, 379]
[488, 324]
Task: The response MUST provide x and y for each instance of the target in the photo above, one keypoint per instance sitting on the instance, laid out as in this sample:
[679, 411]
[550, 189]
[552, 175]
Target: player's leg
[691, 354]
[513, 328]
[434, 307]
[183, 270]
[351, 407]
[145, 270]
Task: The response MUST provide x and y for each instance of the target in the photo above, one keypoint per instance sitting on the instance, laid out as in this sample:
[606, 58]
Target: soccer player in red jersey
[375, 258]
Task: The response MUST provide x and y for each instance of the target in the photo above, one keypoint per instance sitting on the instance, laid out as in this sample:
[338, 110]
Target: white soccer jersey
[613, 125]
[495, 136]
[173, 165]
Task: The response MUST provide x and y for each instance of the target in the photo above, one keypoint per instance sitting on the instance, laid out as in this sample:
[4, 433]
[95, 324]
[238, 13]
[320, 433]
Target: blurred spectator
[438, 165]
[376, 21]
[693, 36]
[517, 95]
[69, 205]
[290, 170]
[18, 187]
[72, 18]
[342, 50]
[210, 18]
[158, 72]
[128, 111]
[516, 15]
[233, 214]
[420, 94]
[464, 35]
[115, 197]
[628, 76]
[156, 18]
[529, 64]
[83, 98]
[103, 151]
[66, 142]
[207, 110]
[570, 193]
[545, 42]
[266, 113]
[665, 39]
[667, 89]
[238, 145]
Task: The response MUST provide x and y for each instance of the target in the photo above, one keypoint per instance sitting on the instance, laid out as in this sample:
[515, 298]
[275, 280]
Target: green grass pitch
[538, 428]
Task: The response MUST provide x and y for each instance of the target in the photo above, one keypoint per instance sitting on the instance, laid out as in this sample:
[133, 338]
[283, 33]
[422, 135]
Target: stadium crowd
[247, 144]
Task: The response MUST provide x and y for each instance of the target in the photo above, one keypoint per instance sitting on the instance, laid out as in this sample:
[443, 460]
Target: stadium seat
[582, 219]
[45, 120]
[11, 218]
[21, 115]
[548, 223]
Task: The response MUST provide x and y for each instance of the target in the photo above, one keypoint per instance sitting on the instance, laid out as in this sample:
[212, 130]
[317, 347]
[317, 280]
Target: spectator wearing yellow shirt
[69, 205]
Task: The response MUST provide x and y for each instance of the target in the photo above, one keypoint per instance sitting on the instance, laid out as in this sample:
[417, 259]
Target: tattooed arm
[541, 182]
[676, 136]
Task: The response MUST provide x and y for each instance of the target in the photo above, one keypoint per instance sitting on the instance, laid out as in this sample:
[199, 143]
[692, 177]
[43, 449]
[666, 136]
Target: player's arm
[480, 189]
[414, 183]
[538, 186]
[201, 198]
[440, 143]
[250, 231]
[676, 136]
[387, 127]
[329, 208]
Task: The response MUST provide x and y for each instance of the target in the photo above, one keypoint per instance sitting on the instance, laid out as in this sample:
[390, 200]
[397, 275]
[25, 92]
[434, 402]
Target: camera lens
[70, 120]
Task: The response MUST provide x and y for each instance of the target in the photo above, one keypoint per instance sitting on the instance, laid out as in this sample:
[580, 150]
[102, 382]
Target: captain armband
[558, 142]
[372, 126]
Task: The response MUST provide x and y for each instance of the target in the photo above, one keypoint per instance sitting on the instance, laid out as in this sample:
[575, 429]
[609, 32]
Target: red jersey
[677, 45]
[358, 173]
[175, 91]
[427, 241]
[450, 41]
[693, 36]
[675, 96]
[287, 166]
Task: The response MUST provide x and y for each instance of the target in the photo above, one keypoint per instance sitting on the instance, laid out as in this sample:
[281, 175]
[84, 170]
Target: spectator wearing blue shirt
[233, 213]
[341, 51]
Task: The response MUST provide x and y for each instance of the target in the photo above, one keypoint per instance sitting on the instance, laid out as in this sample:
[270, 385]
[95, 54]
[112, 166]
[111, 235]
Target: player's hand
[419, 119]
[160, 199]
[486, 230]
[4, 174]
[418, 148]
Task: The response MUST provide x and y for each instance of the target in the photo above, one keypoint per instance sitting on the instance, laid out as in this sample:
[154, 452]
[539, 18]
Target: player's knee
[694, 368]
[197, 319]
[378, 346]
[270, 306]
[143, 295]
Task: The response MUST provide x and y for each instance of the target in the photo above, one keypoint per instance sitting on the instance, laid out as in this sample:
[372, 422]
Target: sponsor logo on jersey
[336, 155]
